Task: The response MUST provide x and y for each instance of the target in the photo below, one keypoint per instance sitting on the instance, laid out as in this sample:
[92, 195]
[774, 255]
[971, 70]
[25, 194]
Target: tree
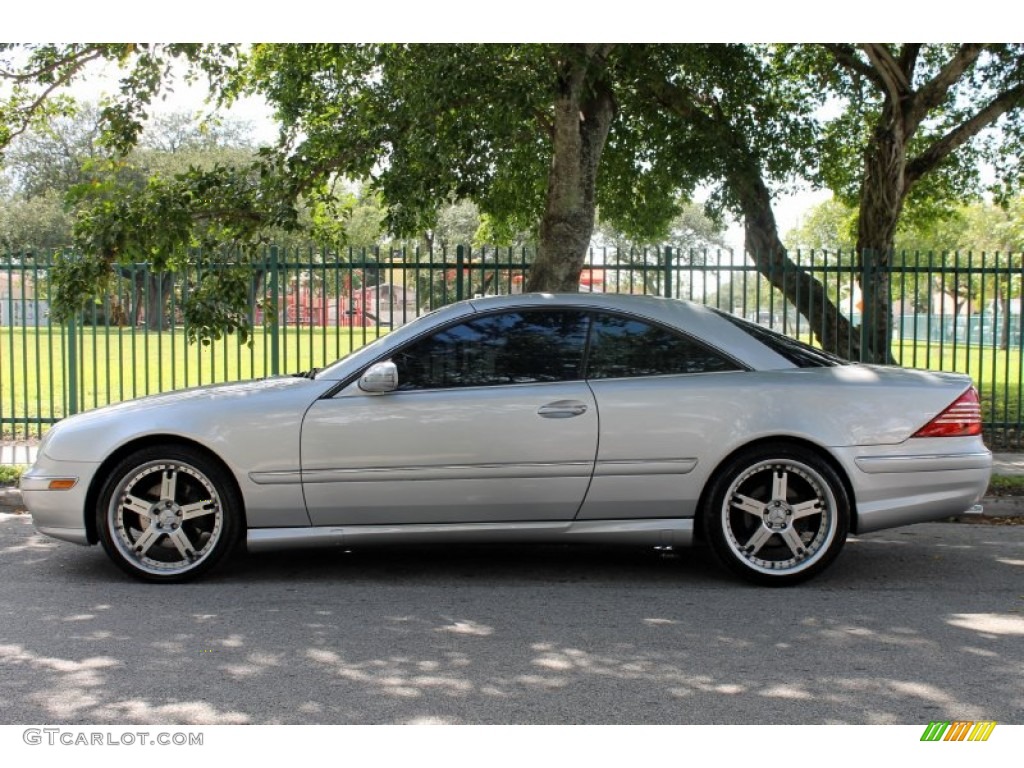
[524, 131]
[540, 135]
[37, 225]
[740, 117]
[692, 237]
[61, 170]
[910, 134]
[518, 129]
[831, 225]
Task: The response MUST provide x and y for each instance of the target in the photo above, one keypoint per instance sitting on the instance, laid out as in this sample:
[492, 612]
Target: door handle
[562, 409]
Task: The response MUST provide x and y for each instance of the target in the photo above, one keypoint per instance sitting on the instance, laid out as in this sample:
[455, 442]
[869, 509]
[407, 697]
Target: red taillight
[961, 419]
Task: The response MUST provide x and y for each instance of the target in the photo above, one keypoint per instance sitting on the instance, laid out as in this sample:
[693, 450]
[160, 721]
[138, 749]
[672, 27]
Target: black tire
[168, 514]
[777, 516]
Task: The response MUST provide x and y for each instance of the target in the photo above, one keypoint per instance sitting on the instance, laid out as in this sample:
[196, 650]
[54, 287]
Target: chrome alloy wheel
[777, 516]
[165, 518]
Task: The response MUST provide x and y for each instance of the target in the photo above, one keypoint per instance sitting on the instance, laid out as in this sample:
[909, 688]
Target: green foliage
[431, 127]
[690, 232]
[175, 224]
[830, 225]
[941, 175]
[10, 474]
[219, 304]
[38, 224]
[457, 224]
[425, 123]
[37, 73]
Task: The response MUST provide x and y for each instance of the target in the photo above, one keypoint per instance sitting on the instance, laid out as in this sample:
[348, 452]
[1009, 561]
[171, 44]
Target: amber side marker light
[961, 419]
[62, 484]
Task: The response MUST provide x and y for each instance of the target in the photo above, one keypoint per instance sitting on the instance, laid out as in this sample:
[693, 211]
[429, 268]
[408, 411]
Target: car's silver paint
[252, 427]
[923, 463]
[637, 532]
[661, 439]
[930, 488]
[484, 454]
[59, 514]
[380, 377]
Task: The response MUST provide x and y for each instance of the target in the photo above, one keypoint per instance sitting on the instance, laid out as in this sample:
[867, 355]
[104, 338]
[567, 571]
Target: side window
[521, 347]
[623, 347]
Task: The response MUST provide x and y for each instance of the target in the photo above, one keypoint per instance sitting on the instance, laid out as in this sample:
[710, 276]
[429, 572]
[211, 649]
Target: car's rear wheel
[168, 514]
[777, 516]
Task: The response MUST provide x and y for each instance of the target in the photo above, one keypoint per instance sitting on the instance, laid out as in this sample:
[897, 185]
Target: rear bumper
[915, 483]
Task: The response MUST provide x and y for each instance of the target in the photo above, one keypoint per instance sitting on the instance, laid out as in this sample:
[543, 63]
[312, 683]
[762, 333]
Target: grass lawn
[119, 364]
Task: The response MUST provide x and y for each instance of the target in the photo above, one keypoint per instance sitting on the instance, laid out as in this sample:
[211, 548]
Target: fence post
[275, 326]
[72, 373]
[867, 301]
[460, 279]
[666, 289]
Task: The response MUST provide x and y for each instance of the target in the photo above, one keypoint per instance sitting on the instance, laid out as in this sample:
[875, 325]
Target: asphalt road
[913, 625]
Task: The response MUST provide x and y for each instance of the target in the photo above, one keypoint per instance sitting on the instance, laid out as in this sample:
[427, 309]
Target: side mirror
[380, 377]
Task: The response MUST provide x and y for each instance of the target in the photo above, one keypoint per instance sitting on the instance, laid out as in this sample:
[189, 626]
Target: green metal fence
[956, 312]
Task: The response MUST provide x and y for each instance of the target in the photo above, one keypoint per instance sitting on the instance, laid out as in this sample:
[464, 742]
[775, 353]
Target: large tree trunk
[801, 289]
[881, 201]
[745, 181]
[584, 110]
[160, 287]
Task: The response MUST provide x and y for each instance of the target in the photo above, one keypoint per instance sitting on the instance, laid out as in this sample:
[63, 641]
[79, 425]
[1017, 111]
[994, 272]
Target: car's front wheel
[777, 516]
[168, 514]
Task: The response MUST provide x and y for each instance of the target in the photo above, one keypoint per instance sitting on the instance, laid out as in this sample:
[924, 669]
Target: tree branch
[846, 56]
[908, 60]
[933, 93]
[895, 82]
[75, 61]
[944, 146]
[26, 112]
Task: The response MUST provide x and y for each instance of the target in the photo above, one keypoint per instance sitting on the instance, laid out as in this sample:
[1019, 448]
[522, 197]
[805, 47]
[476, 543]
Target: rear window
[799, 354]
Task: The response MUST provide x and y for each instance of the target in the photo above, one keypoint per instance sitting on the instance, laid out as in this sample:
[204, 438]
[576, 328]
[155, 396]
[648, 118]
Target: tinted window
[799, 354]
[509, 348]
[625, 347]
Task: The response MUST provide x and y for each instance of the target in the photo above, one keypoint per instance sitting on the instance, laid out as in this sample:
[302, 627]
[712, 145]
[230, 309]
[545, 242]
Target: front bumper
[58, 513]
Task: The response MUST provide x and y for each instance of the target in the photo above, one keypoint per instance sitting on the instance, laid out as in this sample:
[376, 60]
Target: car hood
[210, 415]
[207, 393]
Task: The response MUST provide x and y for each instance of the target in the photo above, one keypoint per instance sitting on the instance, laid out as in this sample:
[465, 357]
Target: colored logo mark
[958, 730]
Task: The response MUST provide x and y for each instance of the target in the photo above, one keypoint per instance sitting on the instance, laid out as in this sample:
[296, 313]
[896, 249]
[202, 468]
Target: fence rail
[951, 312]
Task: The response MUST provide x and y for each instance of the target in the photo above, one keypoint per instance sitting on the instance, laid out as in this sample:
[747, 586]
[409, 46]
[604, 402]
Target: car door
[491, 421]
[658, 392]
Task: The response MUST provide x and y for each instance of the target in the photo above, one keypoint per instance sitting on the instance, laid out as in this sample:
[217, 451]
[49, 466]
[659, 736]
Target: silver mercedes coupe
[531, 418]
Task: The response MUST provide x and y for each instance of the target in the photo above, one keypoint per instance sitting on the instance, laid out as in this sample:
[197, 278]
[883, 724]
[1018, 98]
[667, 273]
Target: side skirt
[669, 532]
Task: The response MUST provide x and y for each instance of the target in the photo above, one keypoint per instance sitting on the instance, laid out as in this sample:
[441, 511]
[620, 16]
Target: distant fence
[951, 312]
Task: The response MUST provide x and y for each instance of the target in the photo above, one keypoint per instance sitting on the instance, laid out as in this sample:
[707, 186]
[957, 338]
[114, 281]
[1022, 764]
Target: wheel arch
[779, 441]
[149, 441]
